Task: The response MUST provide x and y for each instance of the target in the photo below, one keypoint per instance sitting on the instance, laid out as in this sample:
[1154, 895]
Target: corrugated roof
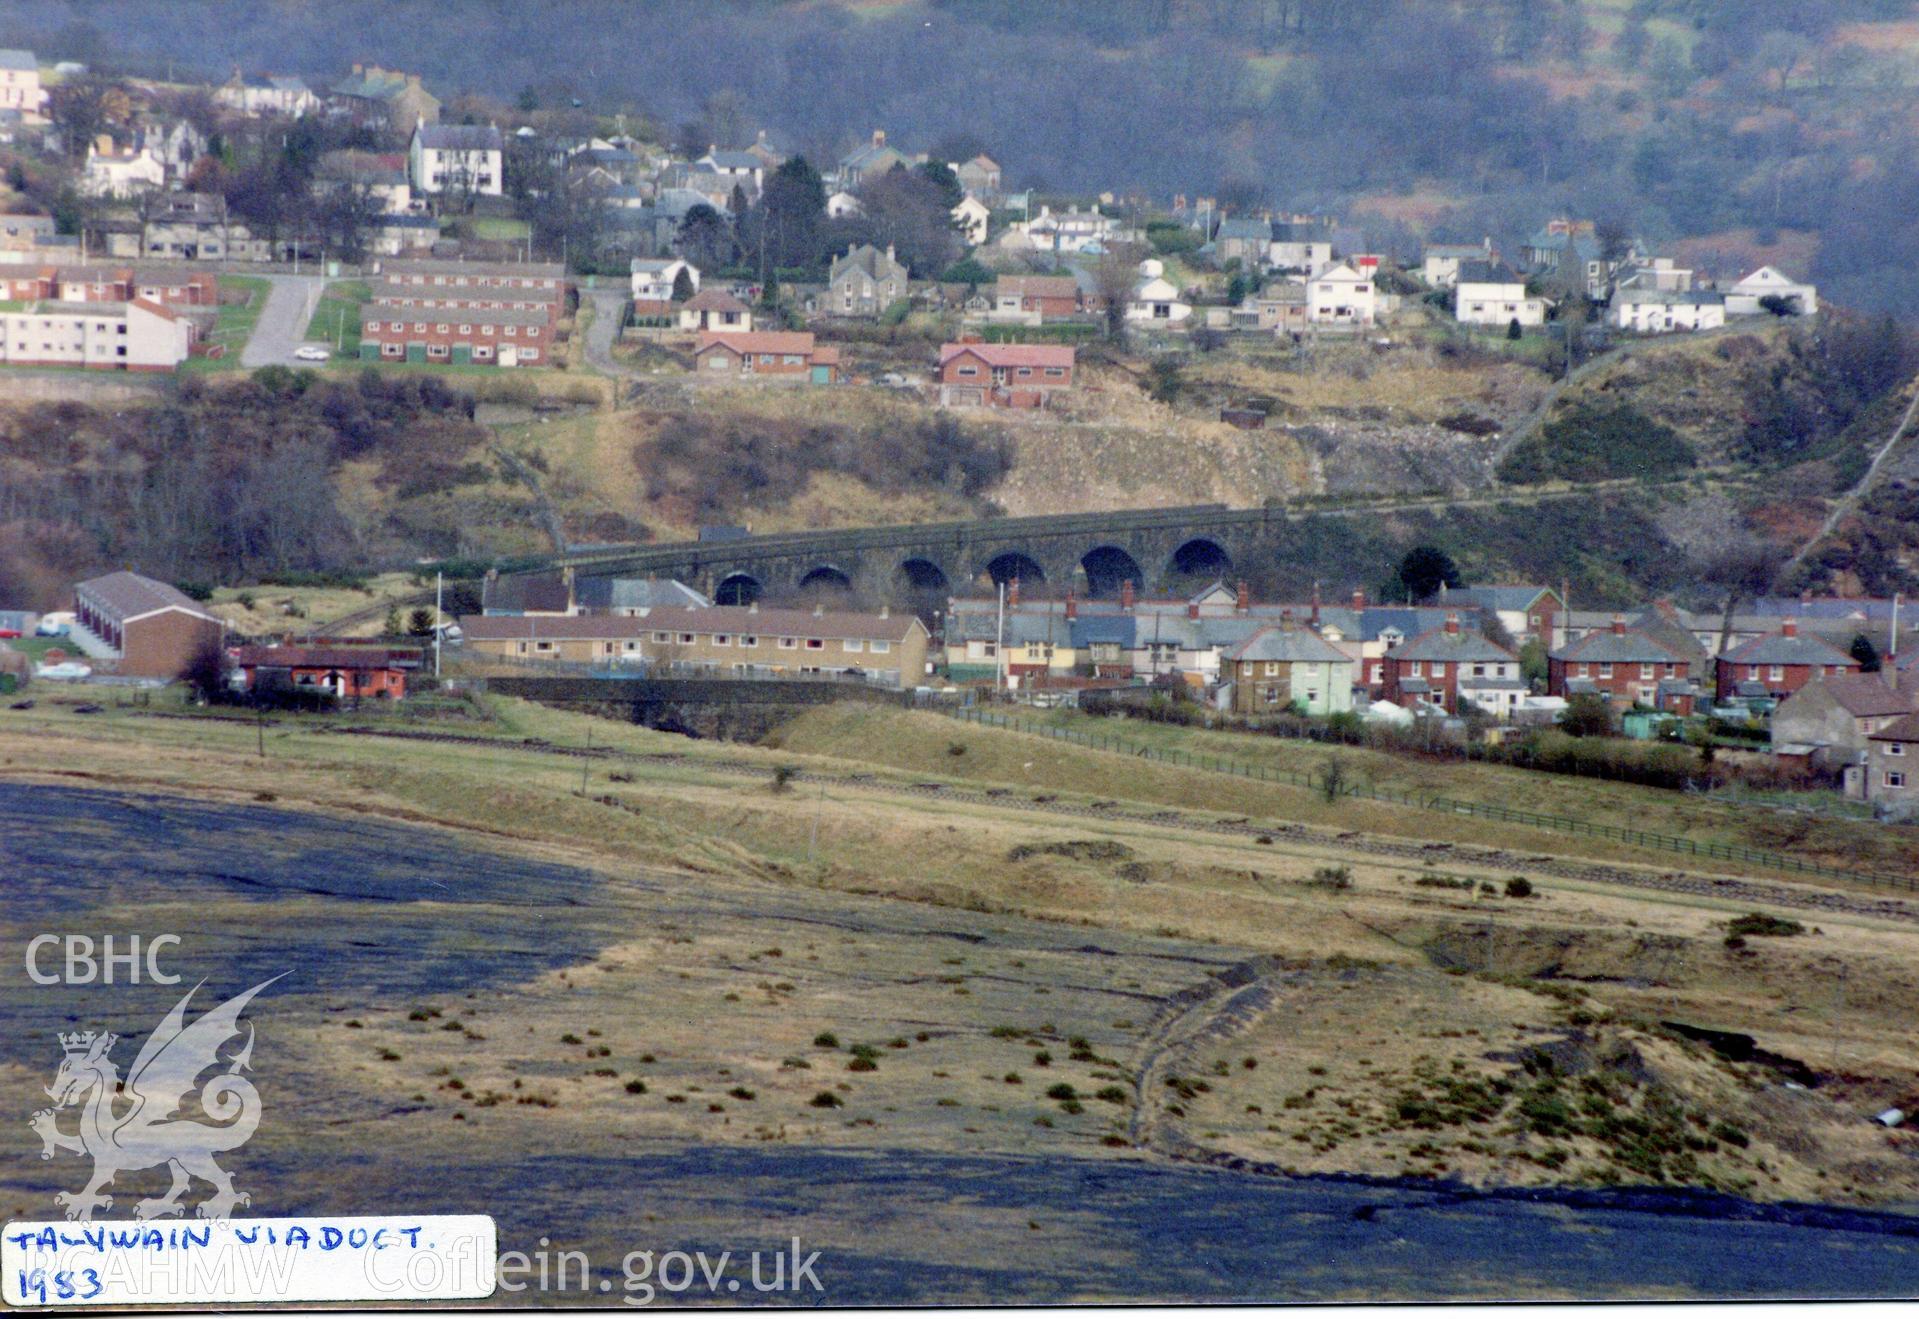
[128, 595]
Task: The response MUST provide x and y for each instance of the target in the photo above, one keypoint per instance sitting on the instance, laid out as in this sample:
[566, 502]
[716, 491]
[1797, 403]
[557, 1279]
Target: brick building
[1453, 667]
[144, 628]
[1003, 375]
[1626, 666]
[741, 640]
[767, 353]
[460, 312]
[1783, 661]
[342, 672]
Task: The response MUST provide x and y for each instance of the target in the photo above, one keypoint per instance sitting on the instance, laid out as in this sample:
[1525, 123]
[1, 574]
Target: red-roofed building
[1012, 375]
[766, 353]
[340, 671]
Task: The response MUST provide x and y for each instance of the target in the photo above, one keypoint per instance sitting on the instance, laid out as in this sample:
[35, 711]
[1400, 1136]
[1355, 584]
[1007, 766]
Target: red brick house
[343, 672]
[1448, 665]
[766, 353]
[1052, 296]
[1013, 375]
[1626, 666]
[144, 628]
[1781, 661]
[168, 288]
[505, 336]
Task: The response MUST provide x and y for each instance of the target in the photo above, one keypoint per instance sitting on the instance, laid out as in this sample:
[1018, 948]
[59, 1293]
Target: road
[608, 307]
[283, 321]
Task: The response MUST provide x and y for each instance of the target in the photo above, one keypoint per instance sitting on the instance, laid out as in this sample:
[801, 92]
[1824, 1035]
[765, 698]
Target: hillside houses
[864, 282]
[20, 86]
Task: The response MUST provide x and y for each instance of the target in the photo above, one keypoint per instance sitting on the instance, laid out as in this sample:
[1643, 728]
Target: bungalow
[742, 640]
[341, 672]
[1156, 300]
[1283, 667]
[714, 309]
[1003, 375]
[1488, 294]
[1454, 668]
[763, 353]
[1341, 296]
[1750, 296]
[1625, 666]
[1782, 661]
[147, 629]
[1038, 297]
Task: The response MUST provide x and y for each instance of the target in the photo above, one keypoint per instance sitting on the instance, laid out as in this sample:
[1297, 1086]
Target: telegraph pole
[439, 621]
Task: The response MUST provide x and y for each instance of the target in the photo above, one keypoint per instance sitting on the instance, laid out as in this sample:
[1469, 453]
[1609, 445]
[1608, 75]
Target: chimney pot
[1072, 605]
[1452, 625]
[1790, 627]
[1012, 592]
[1359, 599]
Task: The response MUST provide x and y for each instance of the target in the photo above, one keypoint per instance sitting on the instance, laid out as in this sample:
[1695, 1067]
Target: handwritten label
[266, 1260]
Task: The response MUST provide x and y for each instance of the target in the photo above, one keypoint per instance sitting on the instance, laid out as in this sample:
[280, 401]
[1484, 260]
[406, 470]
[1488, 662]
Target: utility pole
[439, 619]
[999, 646]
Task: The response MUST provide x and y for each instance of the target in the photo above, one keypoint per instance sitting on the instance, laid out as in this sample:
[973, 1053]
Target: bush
[1763, 926]
[1333, 877]
[825, 1099]
[1062, 1090]
[636, 1087]
[1589, 441]
[826, 1039]
[1519, 887]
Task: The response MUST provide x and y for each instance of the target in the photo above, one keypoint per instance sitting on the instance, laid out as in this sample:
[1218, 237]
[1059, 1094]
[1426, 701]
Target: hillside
[1768, 425]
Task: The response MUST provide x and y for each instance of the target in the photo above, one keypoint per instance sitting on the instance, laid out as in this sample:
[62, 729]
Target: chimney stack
[1790, 627]
[1242, 599]
[1012, 593]
[886, 611]
[1315, 617]
[1285, 620]
[1072, 604]
[1359, 599]
[1192, 609]
[879, 137]
[1126, 595]
[819, 611]
[1452, 625]
[1619, 625]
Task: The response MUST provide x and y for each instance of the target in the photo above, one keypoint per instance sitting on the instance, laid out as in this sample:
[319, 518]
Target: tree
[1513, 330]
[906, 211]
[208, 673]
[1113, 278]
[945, 181]
[785, 227]
[1586, 715]
[1425, 569]
[706, 239]
[1866, 653]
[419, 622]
[682, 285]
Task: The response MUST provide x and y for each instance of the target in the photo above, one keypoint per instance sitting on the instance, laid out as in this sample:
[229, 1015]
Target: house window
[1776, 673]
[1646, 670]
[512, 331]
[722, 639]
[532, 331]
[1895, 779]
[439, 329]
[853, 646]
[466, 329]
[879, 647]
[1055, 372]
[815, 643]
[789, 643]
[749, 641]
[1895, 748]
[1419, 668]
[1605, 670]
[661, 638]
[686, 638]
[967, 371]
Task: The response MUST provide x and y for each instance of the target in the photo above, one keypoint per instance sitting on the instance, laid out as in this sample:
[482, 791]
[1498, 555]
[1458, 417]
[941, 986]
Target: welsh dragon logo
[135, 1126]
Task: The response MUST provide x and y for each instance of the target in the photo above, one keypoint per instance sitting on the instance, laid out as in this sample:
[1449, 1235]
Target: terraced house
[1280, 668]
[737, 640]
[1453, 667]
[1778, 664]
[1626, 666]
[460, 312]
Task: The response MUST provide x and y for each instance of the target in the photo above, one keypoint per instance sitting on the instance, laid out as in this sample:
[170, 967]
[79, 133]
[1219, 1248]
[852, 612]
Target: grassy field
[264, 610]
[336, 318]
[1386, 1008]
[234, 324]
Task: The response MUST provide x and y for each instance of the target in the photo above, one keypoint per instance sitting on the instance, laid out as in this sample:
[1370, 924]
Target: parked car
[68, 671]
[311, 353]
[9, 633]
[54, 625]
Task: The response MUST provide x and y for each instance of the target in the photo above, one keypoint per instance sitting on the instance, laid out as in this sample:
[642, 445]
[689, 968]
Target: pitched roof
[20, 61]
[1286, 645]
[1037, 286]
[460, 137]
[1628, 647]
[1862, 695]
[730, 160]
[518, 592]
[636, 593]
[867, 259]
[1899, 730]
[129, 595]
[1488, 272]
[758, 341]
[1779, 648]
[1467, 644]
[713, 298]
[1010, 354]
[326, 657]
[1499, 597]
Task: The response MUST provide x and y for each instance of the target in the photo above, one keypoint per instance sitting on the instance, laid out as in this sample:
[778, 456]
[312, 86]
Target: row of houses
[465, 313]
[103, 318]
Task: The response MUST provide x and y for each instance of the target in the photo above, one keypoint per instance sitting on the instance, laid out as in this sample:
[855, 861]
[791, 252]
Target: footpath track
[1485, 861]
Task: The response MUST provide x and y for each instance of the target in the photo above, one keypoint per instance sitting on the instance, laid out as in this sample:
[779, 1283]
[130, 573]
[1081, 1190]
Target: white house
[970, 218]
[457, 158]
[1341, 296]
[653, 279]
[843, 204]
[268, 95]
[104, 336]
[1156, 299]
[1743, 298]
[1073, 230]
[1299, 247]
[1439, 263]
[110, 172]
[1654, 311]
[20, 87]
[1489, 294]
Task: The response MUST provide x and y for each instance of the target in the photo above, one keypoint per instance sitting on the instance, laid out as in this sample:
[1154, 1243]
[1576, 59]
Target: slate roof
[1286, 645]
[1899, 730]
[128, 595]
[1488, 272]
[867, 259]
[1513, 598]
[1609, 647]
[460, 137]
[543, 592]
[326, 657]
[608, 593]
[21, 61]
[1468, 645]
[712, 298]
[1778, 648]
[1863, 695]
[724, 619]
[1257, 231]
[1107, 629]
[730, 160]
